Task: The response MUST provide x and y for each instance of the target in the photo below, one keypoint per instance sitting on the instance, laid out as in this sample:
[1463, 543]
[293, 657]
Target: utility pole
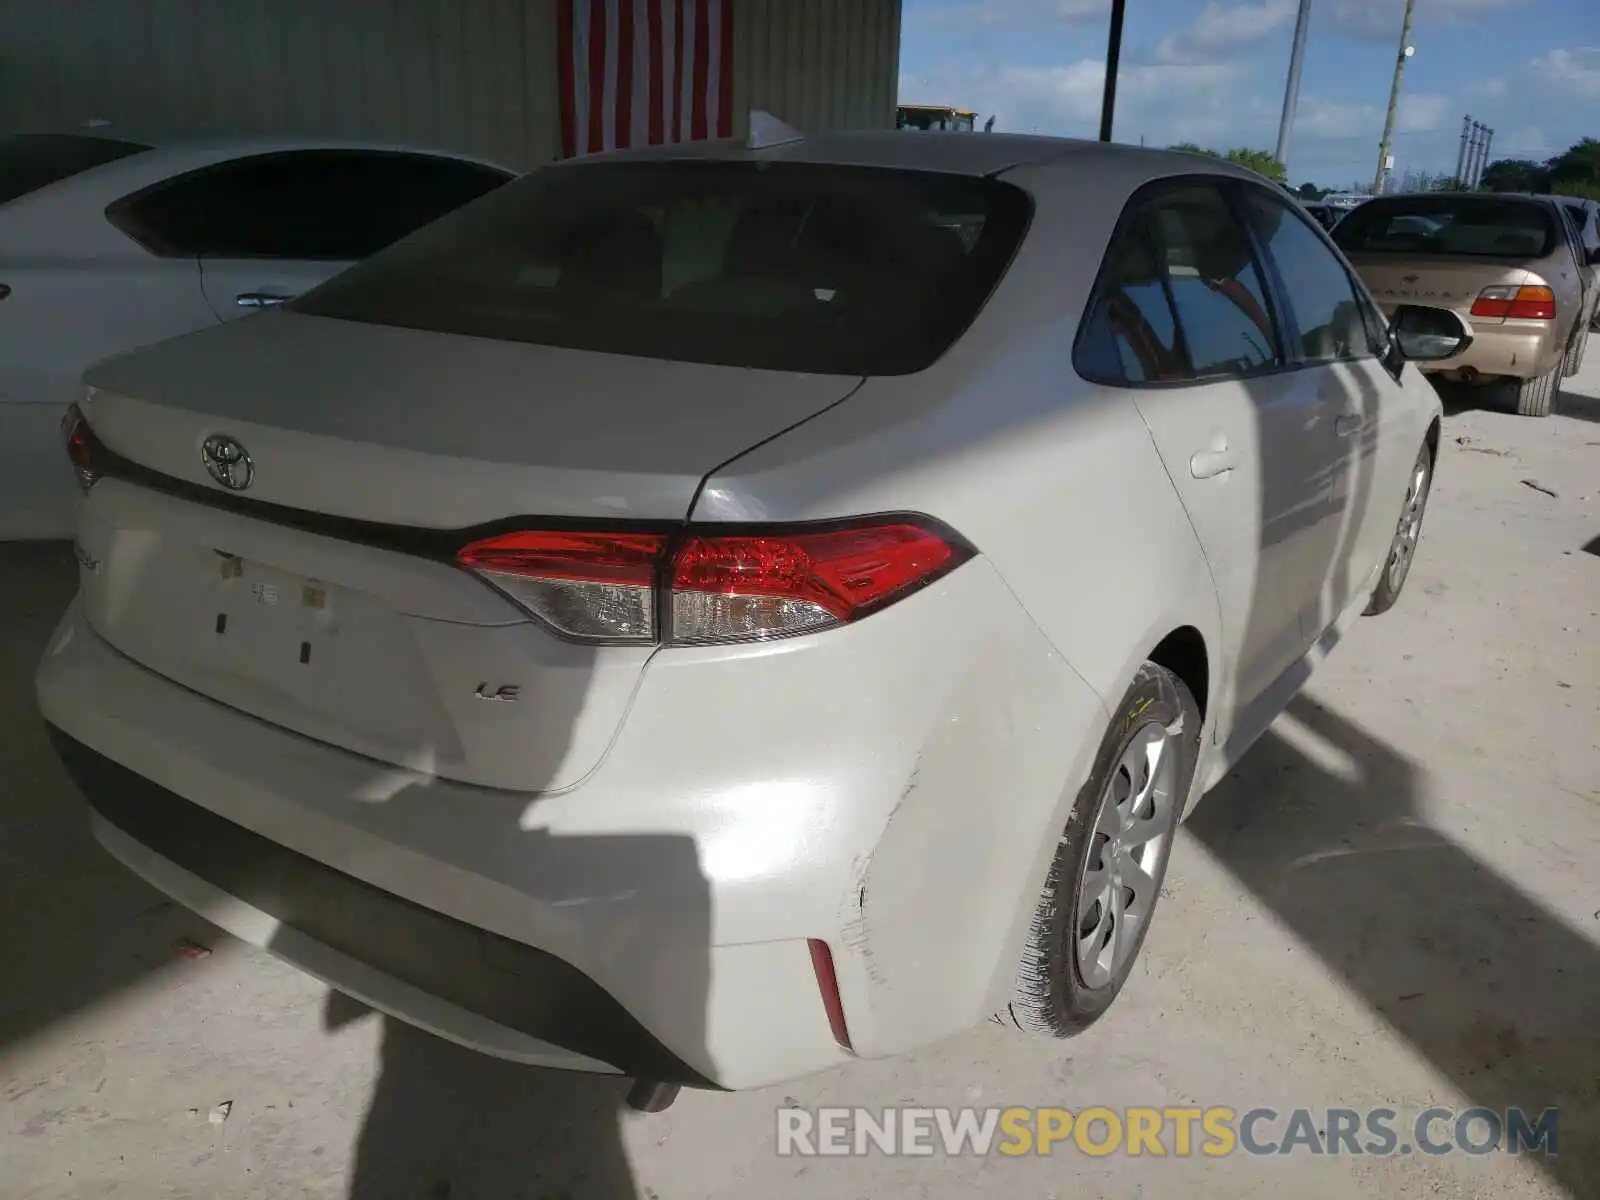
[1291, 91]
[1483, 161]
[1461, 159]
[1394, 100]
[1108, 100]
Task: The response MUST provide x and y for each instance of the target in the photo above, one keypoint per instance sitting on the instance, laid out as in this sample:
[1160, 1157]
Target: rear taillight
[719, 586]
[594, 587]
[1529, 303]
[80, 447]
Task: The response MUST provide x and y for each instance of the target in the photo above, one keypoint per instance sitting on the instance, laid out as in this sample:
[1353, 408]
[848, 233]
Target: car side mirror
[1425, 334]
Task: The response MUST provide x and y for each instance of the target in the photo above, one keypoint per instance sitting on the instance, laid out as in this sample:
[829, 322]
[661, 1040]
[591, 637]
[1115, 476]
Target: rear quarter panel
[1056, 482]
[1060, 488]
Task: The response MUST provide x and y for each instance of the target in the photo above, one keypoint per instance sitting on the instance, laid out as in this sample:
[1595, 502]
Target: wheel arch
[1184, 653]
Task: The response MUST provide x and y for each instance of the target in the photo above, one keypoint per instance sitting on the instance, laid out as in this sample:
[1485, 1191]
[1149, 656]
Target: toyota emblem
[227, 462]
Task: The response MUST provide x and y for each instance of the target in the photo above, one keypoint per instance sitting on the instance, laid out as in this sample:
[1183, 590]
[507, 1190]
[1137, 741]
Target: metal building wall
[818, 64]
[470, 75]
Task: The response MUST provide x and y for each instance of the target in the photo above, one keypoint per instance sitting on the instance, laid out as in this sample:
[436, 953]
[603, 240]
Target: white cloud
[1222, 29]
[1419, 112]
[1422, 112]
[1382, 19]
[1578, 73]
[1165, 104]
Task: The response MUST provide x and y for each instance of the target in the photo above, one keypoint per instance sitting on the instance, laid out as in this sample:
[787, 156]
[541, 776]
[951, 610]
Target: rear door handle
[1346, 425]
[1216, 459]
[261, 299]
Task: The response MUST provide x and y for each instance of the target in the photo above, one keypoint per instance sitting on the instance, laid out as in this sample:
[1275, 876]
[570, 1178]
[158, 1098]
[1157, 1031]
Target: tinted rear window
[1450, 226]
[30, 161]
[783, 266]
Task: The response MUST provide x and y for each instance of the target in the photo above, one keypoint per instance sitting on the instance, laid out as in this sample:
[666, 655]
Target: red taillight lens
[1527, 303]
[80, 447]
[602, 587]
[741, 587]
[594, 587]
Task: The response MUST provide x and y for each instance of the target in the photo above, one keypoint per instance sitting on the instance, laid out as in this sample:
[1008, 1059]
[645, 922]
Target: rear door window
[30, 161]
[1182, 261]
[784, 266]
[307, 205]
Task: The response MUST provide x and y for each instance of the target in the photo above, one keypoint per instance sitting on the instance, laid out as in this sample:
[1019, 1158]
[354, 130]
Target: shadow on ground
[447, 1123]
[1487, 985]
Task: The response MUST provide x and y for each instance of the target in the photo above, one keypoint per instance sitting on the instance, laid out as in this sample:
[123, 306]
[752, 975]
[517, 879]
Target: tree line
[1574, 172]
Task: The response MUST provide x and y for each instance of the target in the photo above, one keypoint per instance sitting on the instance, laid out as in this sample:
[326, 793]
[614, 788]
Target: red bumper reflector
[828, 985]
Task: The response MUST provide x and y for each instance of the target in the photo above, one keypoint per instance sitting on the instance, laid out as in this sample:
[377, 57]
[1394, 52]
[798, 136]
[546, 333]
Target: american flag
[643, 72]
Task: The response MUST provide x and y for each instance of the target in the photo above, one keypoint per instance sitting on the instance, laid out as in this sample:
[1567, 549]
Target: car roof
[953, 152]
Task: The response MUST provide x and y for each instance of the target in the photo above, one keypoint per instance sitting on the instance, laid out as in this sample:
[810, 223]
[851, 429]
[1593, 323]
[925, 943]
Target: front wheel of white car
[1403, 547]
[1105, 880]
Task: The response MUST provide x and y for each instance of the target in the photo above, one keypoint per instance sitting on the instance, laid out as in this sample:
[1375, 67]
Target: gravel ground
[1391, 903]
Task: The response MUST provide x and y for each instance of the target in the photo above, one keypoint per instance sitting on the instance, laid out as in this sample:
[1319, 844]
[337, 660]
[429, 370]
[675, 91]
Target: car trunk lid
[1437, 282]
[323, 596]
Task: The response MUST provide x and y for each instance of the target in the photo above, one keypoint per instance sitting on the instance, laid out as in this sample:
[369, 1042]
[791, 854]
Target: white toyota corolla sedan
[711, 613]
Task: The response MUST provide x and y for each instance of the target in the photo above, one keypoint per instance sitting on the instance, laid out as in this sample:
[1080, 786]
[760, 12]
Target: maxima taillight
[1527, 303]
[719, 586]
[80, 443]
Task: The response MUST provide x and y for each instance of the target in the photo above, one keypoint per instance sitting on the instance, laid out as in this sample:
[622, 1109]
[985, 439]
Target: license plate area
[271, 624]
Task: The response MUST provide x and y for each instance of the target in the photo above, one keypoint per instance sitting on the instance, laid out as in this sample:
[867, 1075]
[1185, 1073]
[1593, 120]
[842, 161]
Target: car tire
[1145, 764]
[1408, 531]
[1534, 396]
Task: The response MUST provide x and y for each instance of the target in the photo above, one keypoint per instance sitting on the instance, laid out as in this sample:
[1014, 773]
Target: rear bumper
[1522, 350]
[463, 983]
[892, 789]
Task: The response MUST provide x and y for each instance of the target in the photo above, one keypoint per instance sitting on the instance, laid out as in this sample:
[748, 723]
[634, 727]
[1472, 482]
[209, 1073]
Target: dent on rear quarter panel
[936, 919]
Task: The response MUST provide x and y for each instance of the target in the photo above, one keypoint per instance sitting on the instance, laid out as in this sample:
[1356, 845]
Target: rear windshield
[782, 266]
[30, 161]
[1450, 226]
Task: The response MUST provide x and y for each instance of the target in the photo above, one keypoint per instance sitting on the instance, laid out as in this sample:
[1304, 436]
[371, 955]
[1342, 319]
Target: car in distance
[1326, 215]
[109, 243]
[1511, 266]
[716, 612]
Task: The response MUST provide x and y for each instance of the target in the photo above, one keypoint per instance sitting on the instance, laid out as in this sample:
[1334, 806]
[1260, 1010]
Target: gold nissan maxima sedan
[1509, 265]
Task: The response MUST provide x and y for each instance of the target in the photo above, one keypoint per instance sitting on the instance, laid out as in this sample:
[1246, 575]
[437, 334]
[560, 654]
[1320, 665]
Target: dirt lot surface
[1392, 903]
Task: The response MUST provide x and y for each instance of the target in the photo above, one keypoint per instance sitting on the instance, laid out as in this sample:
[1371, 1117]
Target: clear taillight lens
[742, 588]
[591, 587]
[80, 443]
[723, 587]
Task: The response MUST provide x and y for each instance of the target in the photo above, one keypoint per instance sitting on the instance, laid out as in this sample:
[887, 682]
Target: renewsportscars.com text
[1213, 1132]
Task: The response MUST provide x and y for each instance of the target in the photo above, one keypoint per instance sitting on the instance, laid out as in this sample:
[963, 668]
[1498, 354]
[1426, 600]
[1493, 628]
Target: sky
[1213, 72]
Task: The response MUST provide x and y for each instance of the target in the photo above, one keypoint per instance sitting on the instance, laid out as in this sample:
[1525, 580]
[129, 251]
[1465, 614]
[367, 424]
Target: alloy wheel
[1128, 848]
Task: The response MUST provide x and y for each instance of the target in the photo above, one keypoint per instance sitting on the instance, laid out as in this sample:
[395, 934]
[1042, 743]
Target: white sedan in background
[715, 613]
[108, 244]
